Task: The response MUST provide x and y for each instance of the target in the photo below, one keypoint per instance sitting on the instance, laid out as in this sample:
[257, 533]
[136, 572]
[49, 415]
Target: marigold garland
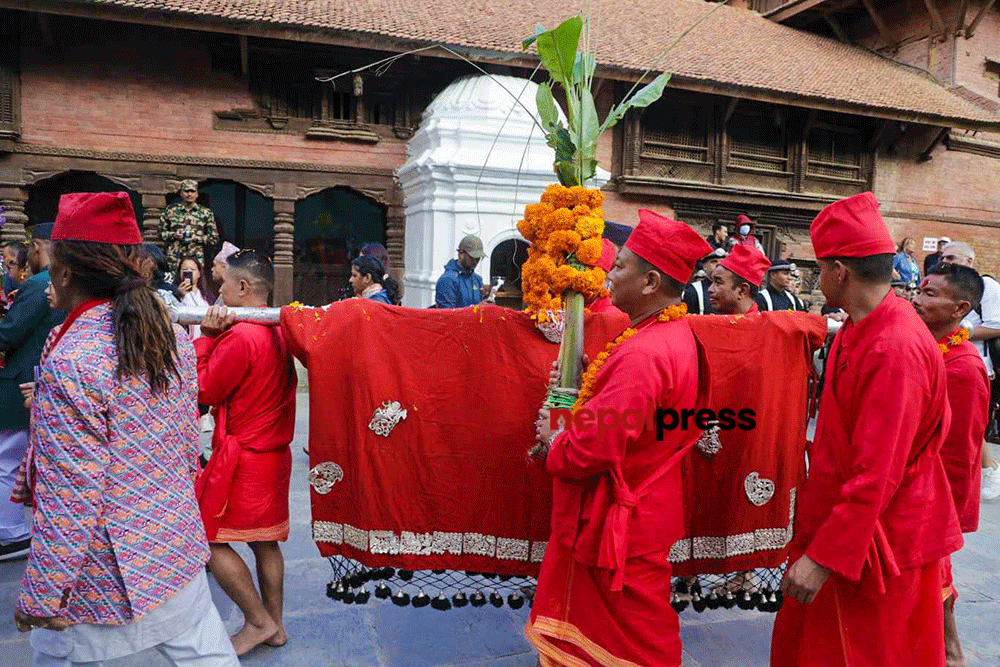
[589, 378]
[564, 230]
[954, 339]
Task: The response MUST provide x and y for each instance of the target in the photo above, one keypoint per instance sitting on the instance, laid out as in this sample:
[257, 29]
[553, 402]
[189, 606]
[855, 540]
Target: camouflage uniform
[185, 233]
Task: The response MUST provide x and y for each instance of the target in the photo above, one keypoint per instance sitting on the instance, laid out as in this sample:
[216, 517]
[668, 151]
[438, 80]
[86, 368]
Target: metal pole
[188, 315]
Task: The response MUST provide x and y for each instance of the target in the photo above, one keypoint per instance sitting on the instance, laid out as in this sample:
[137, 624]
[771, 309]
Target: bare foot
[278, 639]
[251, 636]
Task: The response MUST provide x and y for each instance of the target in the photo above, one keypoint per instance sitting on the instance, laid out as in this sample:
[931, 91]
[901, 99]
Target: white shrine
[475, 162]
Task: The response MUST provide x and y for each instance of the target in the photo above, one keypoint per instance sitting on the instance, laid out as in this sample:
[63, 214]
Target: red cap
[670, 246]
[748, 263]
[851, 227]
[608, 255]
[743, 220]
[101, 217]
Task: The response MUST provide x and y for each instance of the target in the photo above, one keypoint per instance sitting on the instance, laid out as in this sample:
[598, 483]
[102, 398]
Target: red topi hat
[608, 255]
[748, 263]
[851, 227]
[670, 246]
[101, 217]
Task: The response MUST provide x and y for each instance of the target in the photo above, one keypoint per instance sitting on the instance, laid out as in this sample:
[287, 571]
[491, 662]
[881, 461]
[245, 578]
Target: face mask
[744, 229]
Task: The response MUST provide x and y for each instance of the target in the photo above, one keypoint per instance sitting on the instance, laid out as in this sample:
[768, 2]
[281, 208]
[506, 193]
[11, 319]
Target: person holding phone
[192, 283]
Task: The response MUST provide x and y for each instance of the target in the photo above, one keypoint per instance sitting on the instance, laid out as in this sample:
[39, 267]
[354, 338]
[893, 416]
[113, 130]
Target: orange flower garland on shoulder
[954, 339]
[589, 379]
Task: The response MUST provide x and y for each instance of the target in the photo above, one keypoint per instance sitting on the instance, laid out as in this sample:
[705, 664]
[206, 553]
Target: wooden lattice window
[10, 78]
[835, 153]
[758, 141]
[675, 132]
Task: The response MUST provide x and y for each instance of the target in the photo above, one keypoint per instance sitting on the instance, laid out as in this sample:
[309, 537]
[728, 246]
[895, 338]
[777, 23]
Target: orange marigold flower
[527, 229]
[581, 210]
[589, 227]
[592, 198]
[560, 219]
[554, 193]
[589, 251]
[563, 241]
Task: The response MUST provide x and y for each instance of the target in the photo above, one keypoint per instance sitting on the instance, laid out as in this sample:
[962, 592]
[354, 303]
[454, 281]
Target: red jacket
[969, 396]
[876, 491]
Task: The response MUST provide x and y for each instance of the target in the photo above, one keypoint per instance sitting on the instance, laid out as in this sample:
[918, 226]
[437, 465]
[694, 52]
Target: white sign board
[930, 244]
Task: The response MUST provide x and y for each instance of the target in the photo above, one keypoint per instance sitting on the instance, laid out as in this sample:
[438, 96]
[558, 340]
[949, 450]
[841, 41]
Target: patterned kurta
[185, 233]
[117, 530]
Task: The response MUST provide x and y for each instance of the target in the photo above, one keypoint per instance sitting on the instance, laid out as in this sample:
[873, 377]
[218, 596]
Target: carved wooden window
[675, 132]
[758, 140]
[835, 152]
[10, 77]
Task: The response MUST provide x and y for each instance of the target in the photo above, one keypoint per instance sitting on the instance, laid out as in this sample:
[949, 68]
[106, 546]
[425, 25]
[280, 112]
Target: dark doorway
[43, 198]
[505, 262]
[244, 217]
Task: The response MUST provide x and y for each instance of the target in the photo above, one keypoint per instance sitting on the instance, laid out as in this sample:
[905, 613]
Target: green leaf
[557, 50]
[547, 109]
[583, 68]
[567, 173]
[589, 125]
[642, 98]
[528, 41]
[563, 144]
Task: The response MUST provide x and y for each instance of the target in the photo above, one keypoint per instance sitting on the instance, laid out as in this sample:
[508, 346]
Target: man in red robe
[736, 280]
[875, 515]
[245, 372]
[603, 594]
[946, 296]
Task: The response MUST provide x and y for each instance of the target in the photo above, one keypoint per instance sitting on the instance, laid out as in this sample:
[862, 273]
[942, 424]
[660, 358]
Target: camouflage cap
[189, 184]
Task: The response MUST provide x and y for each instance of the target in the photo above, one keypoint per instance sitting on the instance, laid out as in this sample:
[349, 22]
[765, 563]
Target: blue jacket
[22, 336]
[380, 296]
[458, 287]
[908, 269]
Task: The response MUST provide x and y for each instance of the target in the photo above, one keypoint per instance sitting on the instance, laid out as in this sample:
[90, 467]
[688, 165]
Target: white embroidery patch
[386, 418]
[709, 443]
[553, 329]
[758, 489]
[323, 476]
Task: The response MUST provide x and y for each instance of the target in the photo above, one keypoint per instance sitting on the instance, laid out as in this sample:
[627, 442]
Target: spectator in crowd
[984, 324]
[904, 264]
[744, 234]
[219, 263]
[192, 283]
[245, 372]
[13, 269]
[370, 281]
[378, 251]
[169, 294]
[776, 292]
[931, 260]
[696, 294]
[796, 285]
[719, 238]
[736, 281]
[23, 331]
[118, 551]
[187, 227]
[460, 286]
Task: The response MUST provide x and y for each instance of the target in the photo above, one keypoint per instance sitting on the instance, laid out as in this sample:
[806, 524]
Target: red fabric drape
[451, 486]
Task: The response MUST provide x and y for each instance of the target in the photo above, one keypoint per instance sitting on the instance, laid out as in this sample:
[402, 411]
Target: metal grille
[756, 142]
[835, 154]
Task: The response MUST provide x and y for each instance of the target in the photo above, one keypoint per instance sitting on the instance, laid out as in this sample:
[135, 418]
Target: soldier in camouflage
[187, 227]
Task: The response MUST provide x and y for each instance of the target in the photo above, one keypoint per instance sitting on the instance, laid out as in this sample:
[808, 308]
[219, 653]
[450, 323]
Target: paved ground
[323, 632]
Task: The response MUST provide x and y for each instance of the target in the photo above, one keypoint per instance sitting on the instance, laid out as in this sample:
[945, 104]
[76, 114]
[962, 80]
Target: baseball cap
[472, 246]
[189, 184]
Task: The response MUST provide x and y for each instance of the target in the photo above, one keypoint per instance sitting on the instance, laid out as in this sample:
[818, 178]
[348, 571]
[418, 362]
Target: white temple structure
[476, 161]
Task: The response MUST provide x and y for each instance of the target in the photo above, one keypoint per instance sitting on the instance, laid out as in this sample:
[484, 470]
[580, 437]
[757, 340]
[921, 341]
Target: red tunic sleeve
[968, 395]
[223, 363]
[631, 380]
[874, 459]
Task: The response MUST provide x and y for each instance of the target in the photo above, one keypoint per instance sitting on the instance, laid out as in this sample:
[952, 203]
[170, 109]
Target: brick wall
[150, 90]
[971, 54]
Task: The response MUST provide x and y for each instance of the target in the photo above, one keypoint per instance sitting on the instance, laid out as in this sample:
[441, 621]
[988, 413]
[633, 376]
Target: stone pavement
[379, 634]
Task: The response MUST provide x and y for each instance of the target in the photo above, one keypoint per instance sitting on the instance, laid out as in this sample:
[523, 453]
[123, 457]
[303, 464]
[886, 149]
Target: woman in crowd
[904, 264]
[118, 549]
[192, 282]
[369, 280]
[169, 294]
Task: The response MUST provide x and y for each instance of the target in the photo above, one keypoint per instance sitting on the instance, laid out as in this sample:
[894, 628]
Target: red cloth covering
[670, 246]
[247, 375]
[969, 396]
[603, 305]
[748, 263]
[101, 217]
[851, 227]
[947, 580]
[451, 486]
[571, 596]
[726, 532]
[848, 625]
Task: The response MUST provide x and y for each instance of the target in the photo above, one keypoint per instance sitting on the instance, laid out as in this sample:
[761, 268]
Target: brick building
[763, 118]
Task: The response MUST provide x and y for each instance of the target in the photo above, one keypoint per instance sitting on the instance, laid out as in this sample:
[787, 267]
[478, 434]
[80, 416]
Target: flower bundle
[564, 230]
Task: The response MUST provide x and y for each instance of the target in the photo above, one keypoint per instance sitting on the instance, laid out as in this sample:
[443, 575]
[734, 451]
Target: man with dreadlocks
[245, 372]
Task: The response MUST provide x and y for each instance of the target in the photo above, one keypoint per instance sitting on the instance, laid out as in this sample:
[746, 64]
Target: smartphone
[188, 276]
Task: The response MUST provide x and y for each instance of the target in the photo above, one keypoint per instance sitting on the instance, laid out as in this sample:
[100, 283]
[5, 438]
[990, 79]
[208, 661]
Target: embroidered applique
[709, 443]
[323, 476]
[553, 329]
[386, 418]
[758, 489]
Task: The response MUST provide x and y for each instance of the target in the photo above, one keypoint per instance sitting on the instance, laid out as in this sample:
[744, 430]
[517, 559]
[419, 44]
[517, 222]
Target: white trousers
[13, 522]
[205, 644]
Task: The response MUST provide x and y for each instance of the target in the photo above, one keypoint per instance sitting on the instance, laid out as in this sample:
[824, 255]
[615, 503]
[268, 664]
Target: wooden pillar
[12, 199]
[154, 200]
[284, 242]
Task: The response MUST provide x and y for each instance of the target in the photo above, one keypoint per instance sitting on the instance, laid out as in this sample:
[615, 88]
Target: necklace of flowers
[954, 339]
[589, 378]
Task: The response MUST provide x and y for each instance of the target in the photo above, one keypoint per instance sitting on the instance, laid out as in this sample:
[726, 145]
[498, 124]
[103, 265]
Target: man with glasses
[460, 286]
